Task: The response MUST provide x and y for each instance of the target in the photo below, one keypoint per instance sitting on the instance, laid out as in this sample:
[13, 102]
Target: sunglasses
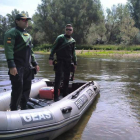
[68, 29]
[24, 20]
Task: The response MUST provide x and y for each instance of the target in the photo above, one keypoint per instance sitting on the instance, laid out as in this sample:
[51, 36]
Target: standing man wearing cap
[20, 58]
[64, 47]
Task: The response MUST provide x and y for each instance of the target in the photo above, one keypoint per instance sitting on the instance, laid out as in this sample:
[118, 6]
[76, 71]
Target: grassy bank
[42, 52]
[93, 53]
[47, 47]
[97, 50]
[114, 53]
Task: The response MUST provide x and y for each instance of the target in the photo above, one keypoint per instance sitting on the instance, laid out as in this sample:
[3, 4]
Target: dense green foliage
[119, 25]
[52, 16]
[47, 47]
[134, 7]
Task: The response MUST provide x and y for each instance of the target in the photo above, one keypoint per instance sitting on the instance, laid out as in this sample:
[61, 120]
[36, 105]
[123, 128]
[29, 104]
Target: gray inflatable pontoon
[46, 122]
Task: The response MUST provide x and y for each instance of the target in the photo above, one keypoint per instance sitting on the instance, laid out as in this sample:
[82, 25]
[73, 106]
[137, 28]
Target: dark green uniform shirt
[18, 48]
[64, 48]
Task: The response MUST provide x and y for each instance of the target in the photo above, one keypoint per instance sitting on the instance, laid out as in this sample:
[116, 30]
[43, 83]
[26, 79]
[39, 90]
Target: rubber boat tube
[46, 122]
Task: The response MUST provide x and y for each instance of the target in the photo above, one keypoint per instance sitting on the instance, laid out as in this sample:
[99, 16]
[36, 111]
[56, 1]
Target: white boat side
[49, 121]
[6, 96]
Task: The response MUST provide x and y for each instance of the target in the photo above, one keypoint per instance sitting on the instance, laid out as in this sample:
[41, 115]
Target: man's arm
[74, 56]
[53, 50]
[33, 61]
[56, 44]
[9, 41]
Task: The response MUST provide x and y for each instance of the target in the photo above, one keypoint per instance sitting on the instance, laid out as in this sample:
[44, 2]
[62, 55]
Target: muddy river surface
[115, 114]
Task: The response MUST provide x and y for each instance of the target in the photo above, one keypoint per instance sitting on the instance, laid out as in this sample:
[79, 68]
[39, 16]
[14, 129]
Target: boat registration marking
[35, 117]
[90, 92]
[81, 101]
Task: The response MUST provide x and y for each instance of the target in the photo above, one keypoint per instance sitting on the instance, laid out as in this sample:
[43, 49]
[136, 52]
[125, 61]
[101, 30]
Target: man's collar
[20, 29]
[67, 36]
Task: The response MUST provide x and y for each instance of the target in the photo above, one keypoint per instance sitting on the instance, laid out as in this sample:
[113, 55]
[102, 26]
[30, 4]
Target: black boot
[56, 95]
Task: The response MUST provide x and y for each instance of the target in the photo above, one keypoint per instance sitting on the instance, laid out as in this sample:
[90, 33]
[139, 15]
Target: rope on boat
[78, 92]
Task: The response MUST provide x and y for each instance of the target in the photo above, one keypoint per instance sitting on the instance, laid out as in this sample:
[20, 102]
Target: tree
[127, 31]
[112, 22]
[120, 25]
[134, 7]
[96, 34]
[11, 18]
[52, 16]
[3, 28]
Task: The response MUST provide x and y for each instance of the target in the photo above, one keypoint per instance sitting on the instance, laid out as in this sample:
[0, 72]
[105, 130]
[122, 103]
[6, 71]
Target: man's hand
[51, 62]
[13, 71]
[37, 68]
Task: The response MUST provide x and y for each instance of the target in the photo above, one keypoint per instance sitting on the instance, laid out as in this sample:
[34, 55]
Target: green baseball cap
[22, 16]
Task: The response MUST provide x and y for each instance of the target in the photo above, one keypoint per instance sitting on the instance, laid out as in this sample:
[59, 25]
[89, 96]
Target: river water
[115, 114]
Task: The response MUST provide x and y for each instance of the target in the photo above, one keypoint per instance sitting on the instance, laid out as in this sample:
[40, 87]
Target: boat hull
[50, 121]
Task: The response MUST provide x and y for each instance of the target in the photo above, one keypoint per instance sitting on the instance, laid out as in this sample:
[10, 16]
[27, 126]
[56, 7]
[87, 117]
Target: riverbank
[110, 53]
[90, 53]
[93, 53]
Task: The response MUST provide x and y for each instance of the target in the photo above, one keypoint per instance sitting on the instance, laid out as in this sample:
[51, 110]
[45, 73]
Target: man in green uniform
[18, 50]
[64, 47]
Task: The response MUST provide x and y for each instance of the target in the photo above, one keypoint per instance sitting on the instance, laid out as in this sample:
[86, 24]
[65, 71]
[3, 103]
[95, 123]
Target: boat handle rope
[66, 110]
[78, 92]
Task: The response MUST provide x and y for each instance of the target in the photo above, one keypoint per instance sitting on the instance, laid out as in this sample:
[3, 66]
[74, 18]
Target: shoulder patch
[25, 34]
[8, 41]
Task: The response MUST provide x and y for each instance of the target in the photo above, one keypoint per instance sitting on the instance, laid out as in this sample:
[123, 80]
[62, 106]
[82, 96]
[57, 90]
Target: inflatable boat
[45, 118]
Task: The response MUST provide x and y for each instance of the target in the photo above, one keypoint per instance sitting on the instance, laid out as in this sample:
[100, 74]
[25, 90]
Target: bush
[44, 47]
[47, 47]
[85, 47]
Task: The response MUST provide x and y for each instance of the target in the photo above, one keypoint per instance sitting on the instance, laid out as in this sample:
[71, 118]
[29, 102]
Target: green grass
[47, 47]
[108, 47]
[42, 52]
[95, 50]
[107, 53]
[100, 53]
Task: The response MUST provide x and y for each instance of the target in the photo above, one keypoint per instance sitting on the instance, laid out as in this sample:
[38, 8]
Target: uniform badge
[25, 34]
[24, 15]
[8, 41]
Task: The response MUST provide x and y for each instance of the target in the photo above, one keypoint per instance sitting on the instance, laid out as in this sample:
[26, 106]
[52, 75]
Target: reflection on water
[116, 113]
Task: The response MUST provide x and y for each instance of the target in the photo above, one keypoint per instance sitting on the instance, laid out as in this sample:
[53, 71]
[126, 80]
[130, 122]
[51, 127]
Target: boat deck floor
[34, 103]
[39, 103]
